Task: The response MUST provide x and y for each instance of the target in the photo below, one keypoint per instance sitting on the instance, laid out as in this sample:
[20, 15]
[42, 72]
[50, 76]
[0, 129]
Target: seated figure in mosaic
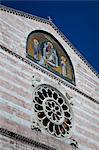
[49, 55]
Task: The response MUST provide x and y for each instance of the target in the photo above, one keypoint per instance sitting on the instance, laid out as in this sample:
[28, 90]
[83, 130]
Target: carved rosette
[52, 110]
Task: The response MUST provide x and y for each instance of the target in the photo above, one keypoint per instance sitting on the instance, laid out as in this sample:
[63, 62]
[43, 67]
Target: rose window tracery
[52, 110]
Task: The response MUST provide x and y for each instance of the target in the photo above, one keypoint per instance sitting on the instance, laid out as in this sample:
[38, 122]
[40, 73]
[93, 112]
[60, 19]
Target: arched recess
[44, 49]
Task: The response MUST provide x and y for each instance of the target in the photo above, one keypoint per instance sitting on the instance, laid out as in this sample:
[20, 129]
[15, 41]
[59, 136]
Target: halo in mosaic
[53, 111]
[45, 50]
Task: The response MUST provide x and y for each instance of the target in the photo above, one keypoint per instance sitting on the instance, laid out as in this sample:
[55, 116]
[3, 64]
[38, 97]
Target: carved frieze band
[24, 139]
[33, 64]
[39, 19]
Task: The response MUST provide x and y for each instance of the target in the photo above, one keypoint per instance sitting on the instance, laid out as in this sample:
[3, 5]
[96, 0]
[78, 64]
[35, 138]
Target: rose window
[52, 110]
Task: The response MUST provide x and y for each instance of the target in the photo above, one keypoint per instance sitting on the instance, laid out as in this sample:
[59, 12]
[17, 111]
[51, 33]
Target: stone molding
[24, 139]
[46, 21]
[50, 74]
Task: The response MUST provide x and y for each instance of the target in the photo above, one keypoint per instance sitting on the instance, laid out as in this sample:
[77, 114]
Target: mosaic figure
[63, 66]
[49, 55]
[36, 48]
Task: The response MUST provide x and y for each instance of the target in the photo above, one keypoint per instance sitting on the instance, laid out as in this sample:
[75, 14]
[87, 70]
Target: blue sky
[78, 20]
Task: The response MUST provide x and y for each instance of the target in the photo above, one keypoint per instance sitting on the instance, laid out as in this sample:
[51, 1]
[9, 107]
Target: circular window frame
[59, 122]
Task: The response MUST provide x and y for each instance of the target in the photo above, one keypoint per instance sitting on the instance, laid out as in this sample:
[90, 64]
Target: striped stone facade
[16, 79]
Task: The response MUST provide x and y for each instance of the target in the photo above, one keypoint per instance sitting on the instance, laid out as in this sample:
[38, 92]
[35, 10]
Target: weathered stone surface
[16, 104]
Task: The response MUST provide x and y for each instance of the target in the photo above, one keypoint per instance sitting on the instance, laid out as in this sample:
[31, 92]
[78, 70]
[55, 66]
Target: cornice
[24, 139]
[48, 73]
[46, 21]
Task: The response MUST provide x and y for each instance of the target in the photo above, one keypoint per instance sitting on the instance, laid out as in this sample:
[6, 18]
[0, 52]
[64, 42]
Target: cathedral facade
[49, 95]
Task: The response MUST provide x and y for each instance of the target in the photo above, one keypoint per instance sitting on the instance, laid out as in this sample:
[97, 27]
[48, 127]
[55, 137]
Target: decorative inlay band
[47, 72]
[24, 139]
[39, 19]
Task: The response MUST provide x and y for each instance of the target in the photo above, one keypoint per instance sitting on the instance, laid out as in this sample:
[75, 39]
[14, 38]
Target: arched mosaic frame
[52, 111]
[44, 49]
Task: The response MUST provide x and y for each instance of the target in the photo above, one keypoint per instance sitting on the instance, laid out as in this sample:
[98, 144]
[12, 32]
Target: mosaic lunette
[47, 52]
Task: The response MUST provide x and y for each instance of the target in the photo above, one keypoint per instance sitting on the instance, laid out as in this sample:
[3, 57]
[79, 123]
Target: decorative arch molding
[44, 49]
